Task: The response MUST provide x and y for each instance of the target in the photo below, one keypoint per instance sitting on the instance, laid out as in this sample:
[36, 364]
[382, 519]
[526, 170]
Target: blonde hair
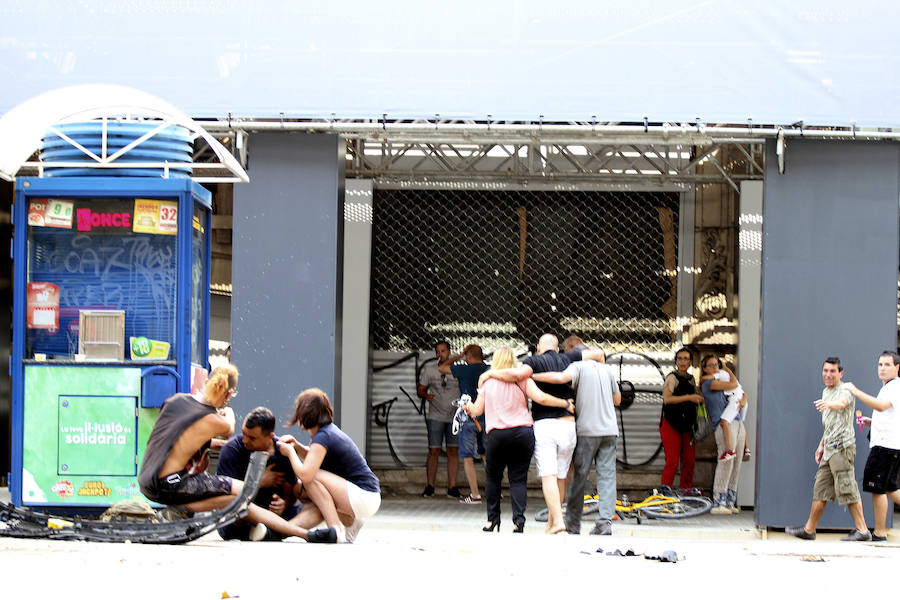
[504, 358]
[221, 380]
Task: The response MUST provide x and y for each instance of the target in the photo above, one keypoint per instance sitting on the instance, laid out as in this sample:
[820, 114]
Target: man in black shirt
[279, 488]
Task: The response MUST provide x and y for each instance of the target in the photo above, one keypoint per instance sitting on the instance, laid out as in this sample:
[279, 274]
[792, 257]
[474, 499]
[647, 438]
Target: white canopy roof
[22, 128]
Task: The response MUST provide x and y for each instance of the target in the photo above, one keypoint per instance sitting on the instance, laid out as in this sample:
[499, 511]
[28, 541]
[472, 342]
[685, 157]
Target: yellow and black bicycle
[667, 505]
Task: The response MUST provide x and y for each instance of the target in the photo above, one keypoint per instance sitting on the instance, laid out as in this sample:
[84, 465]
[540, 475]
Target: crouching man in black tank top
[174, 468]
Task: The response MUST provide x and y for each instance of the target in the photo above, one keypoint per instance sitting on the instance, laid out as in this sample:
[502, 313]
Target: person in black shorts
[881, 477]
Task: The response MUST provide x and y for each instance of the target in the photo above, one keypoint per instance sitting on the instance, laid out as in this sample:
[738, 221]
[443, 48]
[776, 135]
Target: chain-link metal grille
[501, 268]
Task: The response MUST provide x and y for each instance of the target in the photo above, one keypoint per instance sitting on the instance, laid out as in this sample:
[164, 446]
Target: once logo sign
[88, 219]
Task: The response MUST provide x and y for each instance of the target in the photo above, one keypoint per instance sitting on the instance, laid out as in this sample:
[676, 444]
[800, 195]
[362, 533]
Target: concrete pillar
[357, 273]
[287, 271]
[749, 277]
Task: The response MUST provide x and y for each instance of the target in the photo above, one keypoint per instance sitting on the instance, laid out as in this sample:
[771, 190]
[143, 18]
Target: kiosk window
[198, 286]
[101, 254]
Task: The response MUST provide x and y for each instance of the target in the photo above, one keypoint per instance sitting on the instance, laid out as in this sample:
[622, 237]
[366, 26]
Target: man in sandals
[596, 396]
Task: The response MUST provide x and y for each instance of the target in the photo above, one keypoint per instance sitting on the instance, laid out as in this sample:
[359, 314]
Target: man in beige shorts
[835, 479]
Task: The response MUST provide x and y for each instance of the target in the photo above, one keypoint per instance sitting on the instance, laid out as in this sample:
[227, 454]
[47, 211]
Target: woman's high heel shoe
[519, 528]
[493, 525]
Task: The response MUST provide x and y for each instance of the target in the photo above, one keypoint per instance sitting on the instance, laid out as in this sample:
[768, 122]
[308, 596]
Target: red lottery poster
[42, 305]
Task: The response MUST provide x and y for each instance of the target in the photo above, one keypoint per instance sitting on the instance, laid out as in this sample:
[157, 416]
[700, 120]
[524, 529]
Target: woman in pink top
[510, 436]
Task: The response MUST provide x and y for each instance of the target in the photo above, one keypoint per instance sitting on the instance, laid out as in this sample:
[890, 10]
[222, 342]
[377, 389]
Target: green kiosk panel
[85, 431]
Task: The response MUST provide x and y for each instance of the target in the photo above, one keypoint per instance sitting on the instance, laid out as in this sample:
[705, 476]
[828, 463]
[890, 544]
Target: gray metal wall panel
[287, 265]
[829, 286]
[355, 342]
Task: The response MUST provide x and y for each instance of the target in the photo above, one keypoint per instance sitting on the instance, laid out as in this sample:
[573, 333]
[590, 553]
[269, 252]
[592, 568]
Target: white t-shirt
[886, 423]
[732, 395]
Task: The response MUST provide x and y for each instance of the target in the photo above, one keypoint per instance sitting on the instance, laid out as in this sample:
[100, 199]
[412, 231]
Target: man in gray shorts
[440, 390]
[835, 479]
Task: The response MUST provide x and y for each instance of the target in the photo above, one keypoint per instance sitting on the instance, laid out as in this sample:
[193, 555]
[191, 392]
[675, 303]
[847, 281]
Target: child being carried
[734, 398]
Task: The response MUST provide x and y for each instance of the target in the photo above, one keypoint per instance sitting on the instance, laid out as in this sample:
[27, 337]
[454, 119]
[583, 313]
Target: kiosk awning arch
[22, 128]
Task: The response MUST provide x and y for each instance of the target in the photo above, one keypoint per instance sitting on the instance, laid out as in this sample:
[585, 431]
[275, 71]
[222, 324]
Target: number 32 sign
[155, 216]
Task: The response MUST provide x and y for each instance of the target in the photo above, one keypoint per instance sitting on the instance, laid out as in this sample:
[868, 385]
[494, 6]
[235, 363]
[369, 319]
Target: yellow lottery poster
[155, 216]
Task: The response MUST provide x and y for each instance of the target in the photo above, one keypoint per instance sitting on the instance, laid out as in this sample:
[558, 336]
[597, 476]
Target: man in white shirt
[881, 476]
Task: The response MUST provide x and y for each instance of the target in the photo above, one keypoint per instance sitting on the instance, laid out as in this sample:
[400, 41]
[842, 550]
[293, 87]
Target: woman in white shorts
[332, 470]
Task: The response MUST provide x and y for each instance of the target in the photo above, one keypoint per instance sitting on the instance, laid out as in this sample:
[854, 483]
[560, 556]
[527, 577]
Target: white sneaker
[258, 532]
[720, 509]
[352, 530]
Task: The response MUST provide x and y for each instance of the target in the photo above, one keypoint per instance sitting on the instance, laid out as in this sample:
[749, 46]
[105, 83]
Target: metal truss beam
[583, 153]
[585, 162]
[475, 131]
[595, 151]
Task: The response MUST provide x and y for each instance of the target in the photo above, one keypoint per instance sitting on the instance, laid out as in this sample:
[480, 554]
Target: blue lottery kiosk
[110, 314]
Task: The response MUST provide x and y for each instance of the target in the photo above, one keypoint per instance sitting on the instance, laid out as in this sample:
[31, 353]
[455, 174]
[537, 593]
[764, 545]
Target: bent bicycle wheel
[543, 515]
[693, 506]
[407, 436]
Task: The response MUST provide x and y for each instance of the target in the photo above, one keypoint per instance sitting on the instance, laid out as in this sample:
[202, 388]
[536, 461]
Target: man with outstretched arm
[835, 479]
[881, 476]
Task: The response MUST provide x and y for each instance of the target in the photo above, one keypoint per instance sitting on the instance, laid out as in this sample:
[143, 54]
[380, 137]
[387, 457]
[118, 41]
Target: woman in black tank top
[676, 424]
